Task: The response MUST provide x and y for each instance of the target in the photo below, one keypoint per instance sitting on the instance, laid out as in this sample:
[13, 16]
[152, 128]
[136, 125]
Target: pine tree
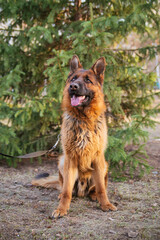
[37, 40]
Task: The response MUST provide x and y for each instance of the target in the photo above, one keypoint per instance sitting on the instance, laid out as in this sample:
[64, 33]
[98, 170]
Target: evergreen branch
[153, 69]
[60, 68]
[138, 123]
[135, 152]
[131, 50]
[91, 14]
[149, 95]
[11, 36]
[13, 30]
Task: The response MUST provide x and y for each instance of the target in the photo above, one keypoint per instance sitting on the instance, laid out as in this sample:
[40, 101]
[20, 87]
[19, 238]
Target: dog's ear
[75, 63]
[99, 68]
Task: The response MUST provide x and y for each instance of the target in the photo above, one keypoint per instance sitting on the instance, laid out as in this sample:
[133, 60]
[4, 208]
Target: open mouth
[78, 100]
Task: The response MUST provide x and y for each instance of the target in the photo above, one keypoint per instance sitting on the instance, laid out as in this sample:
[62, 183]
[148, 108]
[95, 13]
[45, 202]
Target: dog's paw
[59, 213]
[108, 206]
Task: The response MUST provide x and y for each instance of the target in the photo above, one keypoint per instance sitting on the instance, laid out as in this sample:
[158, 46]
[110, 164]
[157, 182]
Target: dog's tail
[44, 180]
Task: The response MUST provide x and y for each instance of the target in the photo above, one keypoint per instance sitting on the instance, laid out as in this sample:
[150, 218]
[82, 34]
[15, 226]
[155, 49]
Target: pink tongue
[76, 100]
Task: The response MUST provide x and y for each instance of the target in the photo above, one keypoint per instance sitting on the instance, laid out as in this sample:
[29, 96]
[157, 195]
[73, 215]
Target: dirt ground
[25, 210]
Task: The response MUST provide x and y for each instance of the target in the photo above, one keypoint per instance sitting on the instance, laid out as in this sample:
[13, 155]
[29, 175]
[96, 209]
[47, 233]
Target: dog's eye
[74, 78]
[87, 80]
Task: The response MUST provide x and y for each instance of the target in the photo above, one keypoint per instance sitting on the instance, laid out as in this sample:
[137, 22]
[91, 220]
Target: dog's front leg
[99, 178]
[70, 174]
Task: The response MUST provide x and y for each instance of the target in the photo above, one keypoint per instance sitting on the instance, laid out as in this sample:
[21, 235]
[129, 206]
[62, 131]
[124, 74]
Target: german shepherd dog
[82, 167]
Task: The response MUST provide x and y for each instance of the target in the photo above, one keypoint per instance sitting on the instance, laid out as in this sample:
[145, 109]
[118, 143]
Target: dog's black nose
[74, 86]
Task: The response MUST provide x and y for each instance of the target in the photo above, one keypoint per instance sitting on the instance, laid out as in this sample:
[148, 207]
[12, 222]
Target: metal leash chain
[55, 145]
[35, 154]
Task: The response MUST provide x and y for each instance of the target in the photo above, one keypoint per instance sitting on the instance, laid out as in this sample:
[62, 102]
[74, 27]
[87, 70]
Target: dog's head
[84, 87]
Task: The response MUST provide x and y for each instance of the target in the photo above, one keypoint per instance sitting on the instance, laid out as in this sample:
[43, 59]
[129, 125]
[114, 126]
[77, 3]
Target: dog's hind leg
[92, 188]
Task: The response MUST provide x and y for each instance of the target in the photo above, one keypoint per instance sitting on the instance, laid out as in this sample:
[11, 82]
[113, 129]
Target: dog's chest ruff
[79, 137]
